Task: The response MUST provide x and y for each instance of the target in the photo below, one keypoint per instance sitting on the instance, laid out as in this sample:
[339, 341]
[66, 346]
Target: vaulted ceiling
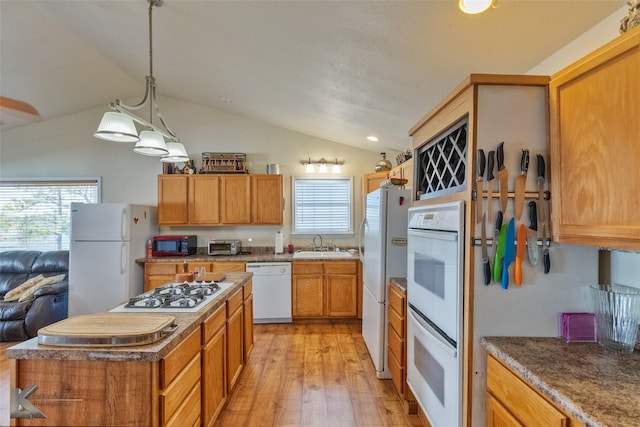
[339, 70]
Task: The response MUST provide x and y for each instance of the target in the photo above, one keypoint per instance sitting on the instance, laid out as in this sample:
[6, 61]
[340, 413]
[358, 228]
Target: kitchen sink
[321, 255]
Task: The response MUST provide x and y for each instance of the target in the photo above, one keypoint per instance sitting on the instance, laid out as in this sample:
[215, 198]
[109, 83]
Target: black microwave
[174, 245]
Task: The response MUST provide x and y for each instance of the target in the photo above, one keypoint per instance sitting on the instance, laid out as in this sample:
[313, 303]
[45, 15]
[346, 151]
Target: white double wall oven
[435, 278]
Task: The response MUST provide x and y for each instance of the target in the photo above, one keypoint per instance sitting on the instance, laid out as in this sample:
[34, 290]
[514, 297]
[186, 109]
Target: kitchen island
[182, 379]
[585, 383]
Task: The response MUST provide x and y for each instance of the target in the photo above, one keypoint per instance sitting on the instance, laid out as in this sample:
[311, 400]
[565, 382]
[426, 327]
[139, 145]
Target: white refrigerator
[106, 239]
[384, 232]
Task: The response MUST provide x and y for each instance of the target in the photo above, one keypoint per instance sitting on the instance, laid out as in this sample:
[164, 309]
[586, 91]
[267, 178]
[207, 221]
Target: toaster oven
[224, 247]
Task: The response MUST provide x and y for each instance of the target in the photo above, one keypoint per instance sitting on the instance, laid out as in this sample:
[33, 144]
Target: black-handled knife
[480, 163]
[486, 269]
[532, 233]
[546, 261]
[521, 183]
[500, 156]
[490, 177]
[504, 177]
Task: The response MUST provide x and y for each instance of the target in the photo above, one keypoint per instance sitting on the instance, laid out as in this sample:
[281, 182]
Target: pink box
[577, 327]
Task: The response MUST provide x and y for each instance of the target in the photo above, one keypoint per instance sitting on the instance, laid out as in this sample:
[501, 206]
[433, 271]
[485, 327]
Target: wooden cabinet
[235, 195]
[203, 200]
[247, 323]
[404, 171]
[267, 203]
[371, 181]
[159, 273]
[325, 289]
[235, 339]
[397, 345]
[308, 289]
[594, 110]
[513, 402]
[234, 199]
[180, 383]
[173, 201]
[341, 289]
[214, 365]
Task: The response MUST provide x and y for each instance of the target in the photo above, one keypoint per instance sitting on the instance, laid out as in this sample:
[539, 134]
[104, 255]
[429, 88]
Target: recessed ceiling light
[373, 138]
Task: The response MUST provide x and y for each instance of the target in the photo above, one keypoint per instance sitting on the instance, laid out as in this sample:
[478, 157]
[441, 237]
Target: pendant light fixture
[118, 125]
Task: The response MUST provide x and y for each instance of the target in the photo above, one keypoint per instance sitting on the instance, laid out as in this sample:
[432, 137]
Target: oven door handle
[440, 235]
[444, 345]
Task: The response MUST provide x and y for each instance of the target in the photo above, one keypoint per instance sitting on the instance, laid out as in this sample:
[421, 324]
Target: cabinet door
[158, 273]
[341, 295]
[235, 339]
[498, 415]
[307, 295]
[247, 327]
[235, 200]
[214, 384]
[371, 181]
[267, 204]
[204, 199]
[172, 200]
[594, 110]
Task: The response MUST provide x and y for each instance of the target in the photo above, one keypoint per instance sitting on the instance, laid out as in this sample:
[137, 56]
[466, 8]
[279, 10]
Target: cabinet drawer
[396, 322]
[161, 268]
[521, 400]
[340, 267]
[234, 302]
[247, 289]
[213, 323]
[397, 372]
[396, 344]
[307, 267]
[178, 358]
[173, 396]
[188, 414]
[396, 300]
[228, 267]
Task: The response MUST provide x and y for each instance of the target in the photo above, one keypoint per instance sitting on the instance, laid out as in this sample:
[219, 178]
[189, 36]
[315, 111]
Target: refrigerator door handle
[360, 234]
[123, 258]
[123, 224]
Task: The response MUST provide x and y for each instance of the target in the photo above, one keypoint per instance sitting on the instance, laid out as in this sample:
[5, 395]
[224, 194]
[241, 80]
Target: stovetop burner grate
[175, 295]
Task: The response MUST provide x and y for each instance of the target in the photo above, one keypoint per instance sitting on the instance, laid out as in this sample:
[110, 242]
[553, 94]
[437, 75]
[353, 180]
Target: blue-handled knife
[509, 252]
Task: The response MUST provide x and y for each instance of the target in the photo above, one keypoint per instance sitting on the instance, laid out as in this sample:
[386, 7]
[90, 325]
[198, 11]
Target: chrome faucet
[315, 247]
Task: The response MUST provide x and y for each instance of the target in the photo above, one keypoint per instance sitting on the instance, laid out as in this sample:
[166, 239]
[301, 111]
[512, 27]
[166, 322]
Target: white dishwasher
[271, 291]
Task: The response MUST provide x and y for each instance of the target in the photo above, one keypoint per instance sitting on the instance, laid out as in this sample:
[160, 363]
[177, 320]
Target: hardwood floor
[312, 374]
[299, 374]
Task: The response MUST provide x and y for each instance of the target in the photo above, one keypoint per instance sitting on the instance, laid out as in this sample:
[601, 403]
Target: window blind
[322, 205]
[35, 214]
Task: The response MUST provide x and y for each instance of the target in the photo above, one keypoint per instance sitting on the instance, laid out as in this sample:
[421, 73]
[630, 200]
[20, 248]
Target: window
[322, 205]
[35, 213]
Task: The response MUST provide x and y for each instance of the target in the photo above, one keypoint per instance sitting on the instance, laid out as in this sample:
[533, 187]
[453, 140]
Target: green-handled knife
[497, 262]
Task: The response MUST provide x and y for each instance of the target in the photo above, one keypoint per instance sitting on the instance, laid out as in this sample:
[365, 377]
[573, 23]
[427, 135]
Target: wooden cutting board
[107, 329]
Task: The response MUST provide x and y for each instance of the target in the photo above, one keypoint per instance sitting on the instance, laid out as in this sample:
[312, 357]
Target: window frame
[53, 182]
[346, 179]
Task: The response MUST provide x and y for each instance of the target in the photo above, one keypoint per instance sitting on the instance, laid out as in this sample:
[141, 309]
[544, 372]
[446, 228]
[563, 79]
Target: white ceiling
[339, 70]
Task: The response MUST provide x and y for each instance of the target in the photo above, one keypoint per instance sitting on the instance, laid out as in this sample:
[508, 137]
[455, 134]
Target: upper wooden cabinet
[595, 147]
[234, 199]
[267, 204]
[404, 171]
[372, 181]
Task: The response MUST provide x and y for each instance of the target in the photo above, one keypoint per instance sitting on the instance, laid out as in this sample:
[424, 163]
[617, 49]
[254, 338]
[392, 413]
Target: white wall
[66, 147]
[625, 266]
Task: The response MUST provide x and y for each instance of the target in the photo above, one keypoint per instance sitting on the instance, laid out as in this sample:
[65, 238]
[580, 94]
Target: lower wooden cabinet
[511, 401]
[160, 273]
[235, 339]
[214, 365]
[325, 289]
[247, 323]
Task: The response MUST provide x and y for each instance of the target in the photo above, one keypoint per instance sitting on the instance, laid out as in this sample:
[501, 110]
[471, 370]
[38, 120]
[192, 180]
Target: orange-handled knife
[520, 250]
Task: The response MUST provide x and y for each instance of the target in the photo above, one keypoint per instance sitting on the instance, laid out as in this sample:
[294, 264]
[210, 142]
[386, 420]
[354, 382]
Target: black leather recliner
[20, 320]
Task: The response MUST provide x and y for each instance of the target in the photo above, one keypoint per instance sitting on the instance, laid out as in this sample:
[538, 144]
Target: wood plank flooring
[299, 374]
[312, 374]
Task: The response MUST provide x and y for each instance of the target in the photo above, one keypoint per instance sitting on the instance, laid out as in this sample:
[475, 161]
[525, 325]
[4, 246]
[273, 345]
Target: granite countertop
[594, 385]
[186, 323]
[256, 254]
[400, 282]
